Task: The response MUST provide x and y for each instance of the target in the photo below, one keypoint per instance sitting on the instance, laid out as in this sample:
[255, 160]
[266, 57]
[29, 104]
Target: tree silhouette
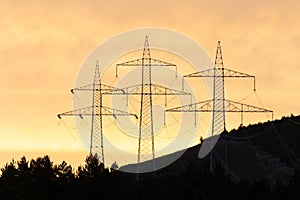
[23, 167]
[41, 179]
[93, 168]
[64, 172]
[9, 172]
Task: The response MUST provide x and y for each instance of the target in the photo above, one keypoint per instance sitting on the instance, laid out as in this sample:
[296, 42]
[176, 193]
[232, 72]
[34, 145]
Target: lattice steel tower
[218, 122]
[146, 140]
[146, 113]
[218, 106]
[97, 111]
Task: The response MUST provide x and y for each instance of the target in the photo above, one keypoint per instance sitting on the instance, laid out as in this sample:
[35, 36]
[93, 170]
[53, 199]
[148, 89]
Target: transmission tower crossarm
[232, 73]
[233, 106]
[78, 112]
[105, 89]
[161, 90]
[156, 89]
[202, 106]
[139, 62]
[228, 73]
[230, 106]
[115, 112]
[219, 72]
[106, 111]
[144, 61]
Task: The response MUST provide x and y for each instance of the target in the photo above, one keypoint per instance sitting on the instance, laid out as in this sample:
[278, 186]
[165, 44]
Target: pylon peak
[219, 58]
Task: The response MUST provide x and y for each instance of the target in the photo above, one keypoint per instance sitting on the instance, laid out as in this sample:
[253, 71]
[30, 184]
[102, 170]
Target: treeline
[41, 179]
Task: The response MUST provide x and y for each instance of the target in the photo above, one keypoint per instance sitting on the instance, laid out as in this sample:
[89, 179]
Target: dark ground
[263, 162]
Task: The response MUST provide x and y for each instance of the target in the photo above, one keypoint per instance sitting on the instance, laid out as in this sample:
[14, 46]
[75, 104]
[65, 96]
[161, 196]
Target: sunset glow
[44, 43]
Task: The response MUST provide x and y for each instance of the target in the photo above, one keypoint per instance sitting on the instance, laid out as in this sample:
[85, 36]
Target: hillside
[267, 150]
[262, 162]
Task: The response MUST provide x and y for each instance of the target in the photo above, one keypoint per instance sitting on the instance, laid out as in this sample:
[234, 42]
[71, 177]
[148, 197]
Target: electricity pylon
[146, 146]
[97, 111]
[219, 105]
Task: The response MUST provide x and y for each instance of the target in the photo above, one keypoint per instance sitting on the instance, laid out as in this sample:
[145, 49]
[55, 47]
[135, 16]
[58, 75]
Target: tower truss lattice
[147, 89]
[97, 111]
[218, 105]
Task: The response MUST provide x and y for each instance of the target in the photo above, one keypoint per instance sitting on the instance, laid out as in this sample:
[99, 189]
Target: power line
[96, 111]
[218, 106]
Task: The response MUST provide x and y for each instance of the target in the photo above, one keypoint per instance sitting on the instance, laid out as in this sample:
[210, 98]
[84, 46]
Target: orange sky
[43, 44]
